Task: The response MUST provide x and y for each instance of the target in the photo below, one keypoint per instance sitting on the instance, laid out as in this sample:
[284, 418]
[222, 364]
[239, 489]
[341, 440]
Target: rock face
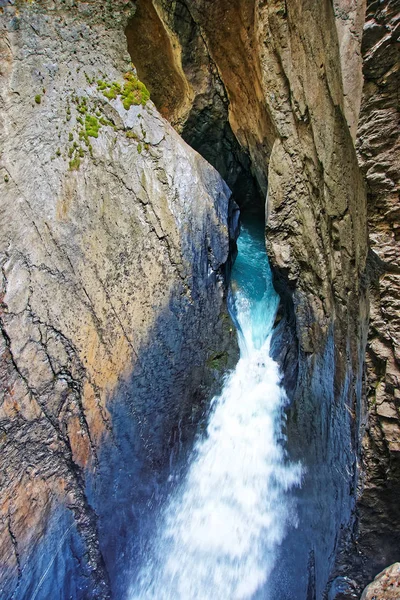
[191, 87]
[113, 242]
[350, 17]
[378, 149]
[317, 241]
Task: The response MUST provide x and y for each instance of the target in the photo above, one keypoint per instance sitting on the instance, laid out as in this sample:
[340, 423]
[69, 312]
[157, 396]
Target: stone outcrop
[386, 585]
[114, 239]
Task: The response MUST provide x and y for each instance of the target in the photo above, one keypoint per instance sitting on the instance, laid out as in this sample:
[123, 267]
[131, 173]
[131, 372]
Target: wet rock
[377, 531]
[386, 585]
[342, 588]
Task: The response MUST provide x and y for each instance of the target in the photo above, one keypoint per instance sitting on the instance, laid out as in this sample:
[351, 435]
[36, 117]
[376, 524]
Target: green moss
[58, 152]
[6, 178]
[132, 135]
[139, 148]
[105, 122]
[70, 136]
[218, 362]
[74, 164]
[110, 95]
[92, 126]
[146, 146]
[38, 99]
[113, 91]
[81, 106]
[134, 92]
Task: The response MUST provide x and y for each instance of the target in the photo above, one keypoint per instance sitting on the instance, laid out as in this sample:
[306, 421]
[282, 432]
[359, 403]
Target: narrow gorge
[199, 309]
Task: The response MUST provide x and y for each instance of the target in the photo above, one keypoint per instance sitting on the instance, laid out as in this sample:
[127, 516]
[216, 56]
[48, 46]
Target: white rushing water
[219, 533]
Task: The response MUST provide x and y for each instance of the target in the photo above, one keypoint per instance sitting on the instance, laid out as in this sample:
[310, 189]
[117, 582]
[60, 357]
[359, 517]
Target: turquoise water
[255, 299]
[218, 536]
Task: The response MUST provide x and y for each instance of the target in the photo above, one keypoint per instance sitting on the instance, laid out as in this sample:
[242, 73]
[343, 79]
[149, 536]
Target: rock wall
[378, 147]
[201, 62]
[317, 241]
[113, 243]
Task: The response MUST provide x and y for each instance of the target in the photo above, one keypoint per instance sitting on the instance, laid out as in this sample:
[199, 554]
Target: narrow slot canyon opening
[187, 90]
[173, 60]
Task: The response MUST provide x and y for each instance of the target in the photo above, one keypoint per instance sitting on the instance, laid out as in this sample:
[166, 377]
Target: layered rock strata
[378, 146]
[114, 236]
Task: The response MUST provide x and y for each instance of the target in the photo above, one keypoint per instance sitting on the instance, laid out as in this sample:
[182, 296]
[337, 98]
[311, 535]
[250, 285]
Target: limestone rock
[378, 146]
[386, 585]
[349, 17]
[113, 241]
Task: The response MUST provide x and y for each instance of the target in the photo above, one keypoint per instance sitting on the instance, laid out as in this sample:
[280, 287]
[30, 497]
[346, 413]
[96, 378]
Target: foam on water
[218, 535]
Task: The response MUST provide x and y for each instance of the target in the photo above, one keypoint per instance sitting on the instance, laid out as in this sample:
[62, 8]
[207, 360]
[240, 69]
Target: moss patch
[133, 92]
[92, 126]
[74, 164]
[218, 362]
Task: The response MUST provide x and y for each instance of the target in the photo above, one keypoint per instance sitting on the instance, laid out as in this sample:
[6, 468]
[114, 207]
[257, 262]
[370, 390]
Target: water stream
[218, 535]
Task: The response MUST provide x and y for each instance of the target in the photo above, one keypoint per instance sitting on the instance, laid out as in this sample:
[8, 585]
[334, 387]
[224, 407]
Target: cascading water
[219, 533]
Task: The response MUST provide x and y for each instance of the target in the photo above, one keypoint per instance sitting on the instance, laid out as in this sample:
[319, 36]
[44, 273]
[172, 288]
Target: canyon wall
[317, 241]
[114, 240]
[378, 146]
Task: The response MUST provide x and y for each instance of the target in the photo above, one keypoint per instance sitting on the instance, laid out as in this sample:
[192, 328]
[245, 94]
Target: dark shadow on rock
[155, 414]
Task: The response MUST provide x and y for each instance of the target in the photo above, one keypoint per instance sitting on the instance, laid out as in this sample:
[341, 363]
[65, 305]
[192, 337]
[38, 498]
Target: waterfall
[219, 533]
